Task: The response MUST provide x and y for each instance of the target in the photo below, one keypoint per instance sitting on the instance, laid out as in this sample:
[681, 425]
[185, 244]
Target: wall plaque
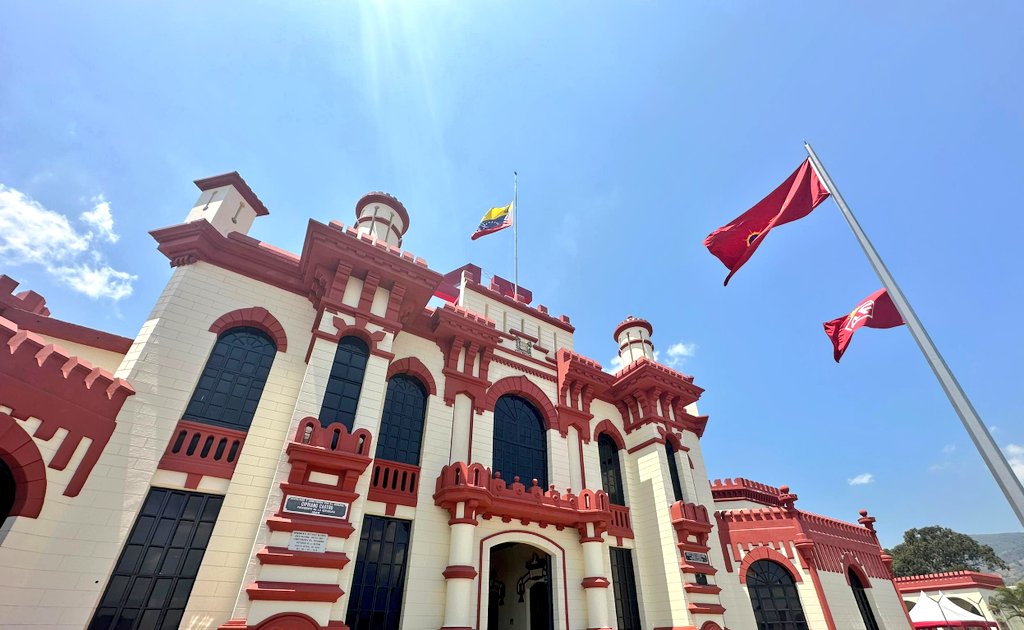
[696, 556]
[524, 346]
[315, 507]
[308, 541]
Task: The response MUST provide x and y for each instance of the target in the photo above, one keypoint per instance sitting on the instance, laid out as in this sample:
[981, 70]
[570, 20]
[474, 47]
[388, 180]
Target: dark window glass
[520, 447]
[7, 489]
[673, 471]
[862, 601]
[627, 608]
[153, 578]
[345, 382]
[611, 474]
[375, 602]
[401, 431]
[774, 598]
[232, 381]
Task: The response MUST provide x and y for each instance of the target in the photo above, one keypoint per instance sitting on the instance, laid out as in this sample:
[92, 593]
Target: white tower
[382, 216]
[634, 338]
[228, 203]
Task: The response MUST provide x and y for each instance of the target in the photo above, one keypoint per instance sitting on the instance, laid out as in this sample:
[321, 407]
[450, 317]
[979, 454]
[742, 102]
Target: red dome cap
[630, 322]
[386, 199]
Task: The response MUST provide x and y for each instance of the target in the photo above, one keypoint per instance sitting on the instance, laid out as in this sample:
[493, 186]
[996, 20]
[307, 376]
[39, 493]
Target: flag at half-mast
[495, 220]
[736, 242]
[875, 311]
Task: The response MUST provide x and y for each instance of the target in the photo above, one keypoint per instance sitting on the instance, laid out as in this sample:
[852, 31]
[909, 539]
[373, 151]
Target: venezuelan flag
[496, 219]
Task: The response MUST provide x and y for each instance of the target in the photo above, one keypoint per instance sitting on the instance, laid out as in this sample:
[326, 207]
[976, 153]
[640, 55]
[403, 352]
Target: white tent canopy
[928, 613]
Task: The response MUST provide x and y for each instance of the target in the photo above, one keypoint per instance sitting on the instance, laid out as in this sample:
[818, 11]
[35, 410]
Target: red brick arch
[851, 564]
[257, 317]
[767, 553]
[710, 625]
[606, 427]
[522, 386]
[22, 456]
[415, 368]
[289, 621]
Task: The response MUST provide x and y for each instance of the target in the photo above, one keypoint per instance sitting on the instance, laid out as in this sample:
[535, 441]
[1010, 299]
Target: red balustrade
[395, 483]
[621, 525]
[200, 449]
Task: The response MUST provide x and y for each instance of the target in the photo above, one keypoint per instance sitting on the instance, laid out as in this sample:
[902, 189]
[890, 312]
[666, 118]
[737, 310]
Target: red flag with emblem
[734, 243]
[876, 311]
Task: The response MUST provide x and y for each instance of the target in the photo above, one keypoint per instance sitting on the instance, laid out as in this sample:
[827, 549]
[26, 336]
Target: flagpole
[515, 233]
[994, 458]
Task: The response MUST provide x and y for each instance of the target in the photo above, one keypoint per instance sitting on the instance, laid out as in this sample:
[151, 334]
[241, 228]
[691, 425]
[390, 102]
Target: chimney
[227, 203]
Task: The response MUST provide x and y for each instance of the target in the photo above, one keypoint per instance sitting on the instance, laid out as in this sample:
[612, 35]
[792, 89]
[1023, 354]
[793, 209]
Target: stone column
[595, 583]
[572, 441]
[459, 603]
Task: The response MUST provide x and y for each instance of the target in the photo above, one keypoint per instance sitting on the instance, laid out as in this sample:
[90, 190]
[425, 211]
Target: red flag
[733, 244]
[876, 311]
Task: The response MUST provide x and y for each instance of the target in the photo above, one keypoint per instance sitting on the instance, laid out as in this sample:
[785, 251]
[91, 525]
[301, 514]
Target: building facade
[298, 441]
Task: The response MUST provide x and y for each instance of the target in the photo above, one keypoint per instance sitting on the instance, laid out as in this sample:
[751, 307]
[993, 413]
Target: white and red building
[298, 441]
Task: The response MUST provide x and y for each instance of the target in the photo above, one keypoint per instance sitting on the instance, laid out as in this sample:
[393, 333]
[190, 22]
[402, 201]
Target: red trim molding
[21, 455]
[459, 572]
[595, 582]
[948, 581]
[767, 553]
[522, 386]
[294, 591]
[606, 427]
[257, 317]
[415, 368]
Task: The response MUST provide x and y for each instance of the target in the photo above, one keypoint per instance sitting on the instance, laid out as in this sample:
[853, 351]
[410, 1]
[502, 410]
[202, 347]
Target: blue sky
[636, 129]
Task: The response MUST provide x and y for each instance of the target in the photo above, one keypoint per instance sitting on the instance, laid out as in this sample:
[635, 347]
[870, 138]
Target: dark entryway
[7, 488]
[521, 590]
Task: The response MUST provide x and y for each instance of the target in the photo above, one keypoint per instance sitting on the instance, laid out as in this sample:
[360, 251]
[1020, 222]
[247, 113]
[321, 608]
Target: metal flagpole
[515, 233]
[994, 458]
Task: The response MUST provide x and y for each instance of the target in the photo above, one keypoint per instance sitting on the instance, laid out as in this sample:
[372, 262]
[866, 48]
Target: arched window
[345, 382]
[232, 381]
[520, 447]
[774, 598]
[862, 600]
[673, 471]
[401, 427]
[611, 474]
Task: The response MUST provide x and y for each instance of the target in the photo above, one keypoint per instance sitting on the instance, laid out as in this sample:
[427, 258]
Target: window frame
[512, 431]
[216, 376]
[607, 449]
[673, 471]
[342, 385]
[763, 578]
[404, 425]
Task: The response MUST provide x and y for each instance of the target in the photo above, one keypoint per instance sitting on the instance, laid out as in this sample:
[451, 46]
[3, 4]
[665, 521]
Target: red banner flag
[733, 244]
[876, 311]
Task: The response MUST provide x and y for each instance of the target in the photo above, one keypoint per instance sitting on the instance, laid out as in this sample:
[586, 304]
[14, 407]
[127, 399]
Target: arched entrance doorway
[520, 592]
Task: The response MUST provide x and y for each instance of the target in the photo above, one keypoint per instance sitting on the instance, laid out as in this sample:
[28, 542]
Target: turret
[634, 338]
[228, 203]
[382, 216]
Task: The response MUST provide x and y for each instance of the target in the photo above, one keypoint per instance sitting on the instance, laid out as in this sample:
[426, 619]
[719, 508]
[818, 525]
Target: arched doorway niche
[508, 555]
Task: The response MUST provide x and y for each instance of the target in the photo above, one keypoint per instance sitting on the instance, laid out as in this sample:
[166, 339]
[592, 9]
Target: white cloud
[1015, 455]
[949, 448]
[677, 353]
[31, 234]
[100, 219]
[861, 479]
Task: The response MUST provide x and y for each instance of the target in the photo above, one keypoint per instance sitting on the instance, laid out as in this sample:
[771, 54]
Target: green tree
[1008, 602]
[935, 549]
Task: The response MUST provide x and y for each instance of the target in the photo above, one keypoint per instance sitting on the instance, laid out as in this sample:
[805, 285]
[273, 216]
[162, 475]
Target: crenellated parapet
[467, 341]
[580, 380]
[486, 495]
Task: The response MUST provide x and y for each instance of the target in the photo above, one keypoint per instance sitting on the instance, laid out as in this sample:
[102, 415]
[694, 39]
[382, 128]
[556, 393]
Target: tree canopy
[936, 549]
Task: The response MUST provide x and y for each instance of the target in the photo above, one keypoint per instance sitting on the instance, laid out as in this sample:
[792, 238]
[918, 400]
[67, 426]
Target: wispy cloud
[1015, 455]
[100, 220]
[31, 234]
[948, 449]
[861, 479]
[677, 354]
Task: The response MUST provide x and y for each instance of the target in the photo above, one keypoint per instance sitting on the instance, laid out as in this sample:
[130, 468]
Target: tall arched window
[401, 427]
[611, 474]
[232, 381]
[673, 471]
[345, 382]
[774, 598]
[520, 447]
[862, 600]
